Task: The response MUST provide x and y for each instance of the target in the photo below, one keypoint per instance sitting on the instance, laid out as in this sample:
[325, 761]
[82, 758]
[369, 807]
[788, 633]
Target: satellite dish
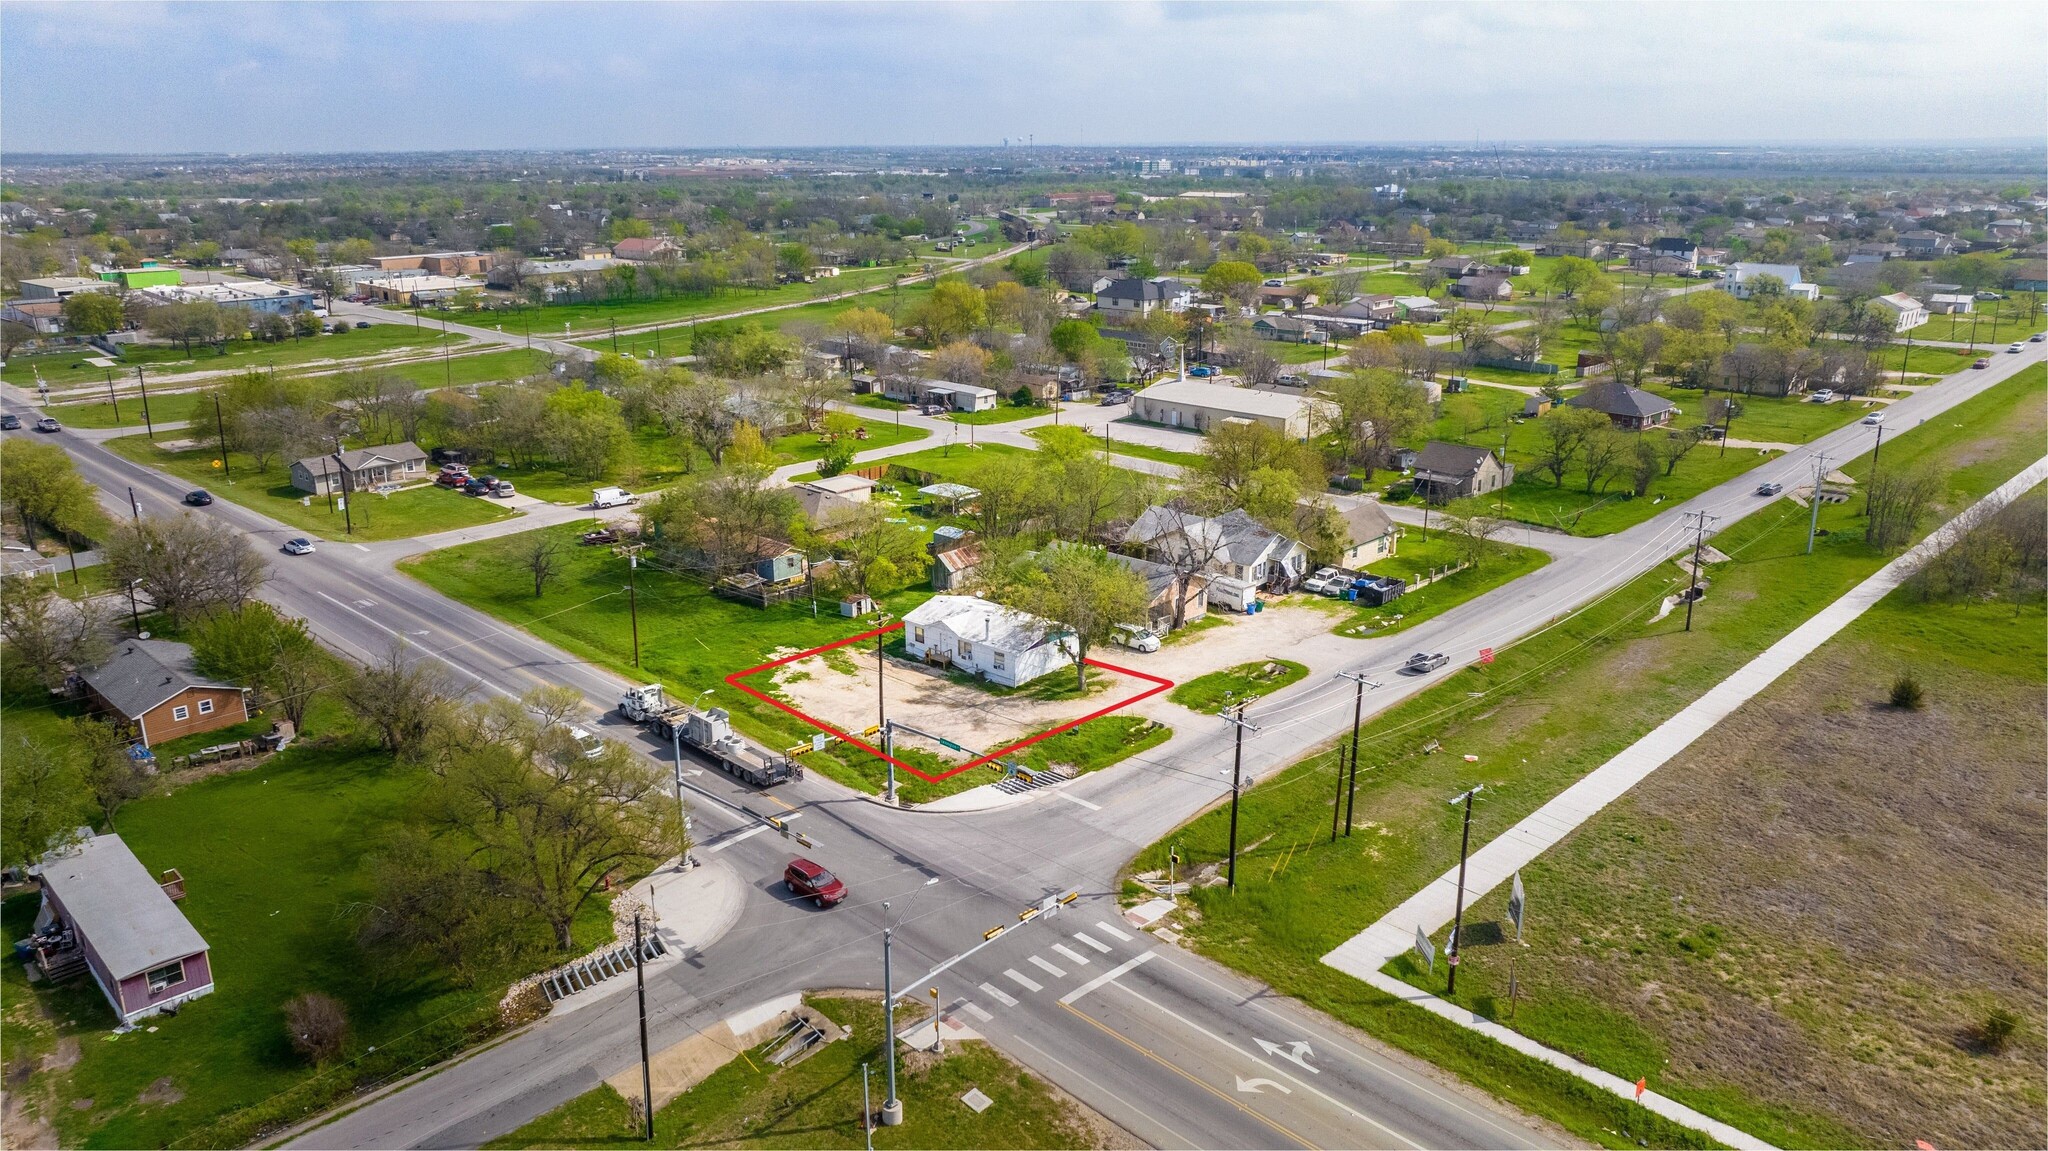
[1167, 347]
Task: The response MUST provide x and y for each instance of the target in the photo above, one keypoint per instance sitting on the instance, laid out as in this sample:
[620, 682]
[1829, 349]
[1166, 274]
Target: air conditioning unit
[155, 988]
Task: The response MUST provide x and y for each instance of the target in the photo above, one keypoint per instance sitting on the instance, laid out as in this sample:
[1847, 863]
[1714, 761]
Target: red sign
[1642, 1085]
[1485, 655]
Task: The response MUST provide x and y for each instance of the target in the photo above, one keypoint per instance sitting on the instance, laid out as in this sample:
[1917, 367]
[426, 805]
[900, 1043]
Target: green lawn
[1549, 709]
[1764, 419]
[276, 862]
[817, 1102]
[676, 339]
[812, 445]
[69, 367]
[1924, 360]
[413, 512]
[1415, 556]
[1144, 451]
[587, 318]
[1002, 413]
[1234, 685]
[956, 463]
[486, 368]
[1995, 322]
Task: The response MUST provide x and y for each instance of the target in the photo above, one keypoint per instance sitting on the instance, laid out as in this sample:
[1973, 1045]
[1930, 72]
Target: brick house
[152, 684]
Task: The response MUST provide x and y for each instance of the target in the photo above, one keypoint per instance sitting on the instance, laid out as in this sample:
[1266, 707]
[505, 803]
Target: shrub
[1996, 1030]
[1906, 692]
[317, 1026]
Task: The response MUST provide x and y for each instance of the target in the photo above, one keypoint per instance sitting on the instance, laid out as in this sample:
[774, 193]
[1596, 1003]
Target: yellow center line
[1177, 1070]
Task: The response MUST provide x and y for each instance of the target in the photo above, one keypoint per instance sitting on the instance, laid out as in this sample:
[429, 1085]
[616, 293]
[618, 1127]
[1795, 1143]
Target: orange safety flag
[1642, 1085]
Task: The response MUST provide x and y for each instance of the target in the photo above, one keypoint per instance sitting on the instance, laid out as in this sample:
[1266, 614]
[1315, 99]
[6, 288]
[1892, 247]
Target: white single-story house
[1740, 280]
[1369, 535]
[1951, 303]
[959, 397]
[829, 497]
[1200, 406]
[1905, 311]
[1000, 644]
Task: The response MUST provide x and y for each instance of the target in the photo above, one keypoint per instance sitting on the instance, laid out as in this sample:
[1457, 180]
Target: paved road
[1161, 1047]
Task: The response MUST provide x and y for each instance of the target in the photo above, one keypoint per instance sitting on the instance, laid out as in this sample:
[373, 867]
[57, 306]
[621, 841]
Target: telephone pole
[220, 426]
[1357, 716]
[1692, 594]
[1458, 916]
[633, 601]
[646, 1065]
[892, 1107]
[140, 383]
[1820, 471]
[1236, 784]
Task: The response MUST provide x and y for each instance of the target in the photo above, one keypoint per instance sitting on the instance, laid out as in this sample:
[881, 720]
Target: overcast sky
[137, 77]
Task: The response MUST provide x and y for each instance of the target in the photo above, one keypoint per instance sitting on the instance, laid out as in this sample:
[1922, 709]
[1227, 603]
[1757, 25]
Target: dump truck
[710, 732]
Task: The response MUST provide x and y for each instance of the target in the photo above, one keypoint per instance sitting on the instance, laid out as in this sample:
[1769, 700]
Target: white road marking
[1073, 956]
[1092, 941]
[997, 994]
[968, 1005]
[1105, 977]
[366, 603]
[1079, 800]
[749, 833]
[1112, 932]
[1048, 968]
[359, 548]
[1022, 980]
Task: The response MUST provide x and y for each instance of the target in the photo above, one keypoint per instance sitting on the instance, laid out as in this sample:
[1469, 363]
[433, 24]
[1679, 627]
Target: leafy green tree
[1233, 280]
[585, 431]
[45, 489]
[1572, 275]
[92, 313]
[42, 799]
[874, 554]
[954, 309]
[257, 646]
[47, 635]
[112, 777]
[1085, 593]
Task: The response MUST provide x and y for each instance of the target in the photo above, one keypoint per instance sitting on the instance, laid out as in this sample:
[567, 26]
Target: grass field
[69, 367]
[1145, 451]
[1753, 922]
[586, 318]
[1416, 556]
[1243, 683]
[676, 339]
[413, 512]
[1002, 413]
[956, 463]
[1549, 709]
[1765, 419]
[817, 1103]
[275, 860]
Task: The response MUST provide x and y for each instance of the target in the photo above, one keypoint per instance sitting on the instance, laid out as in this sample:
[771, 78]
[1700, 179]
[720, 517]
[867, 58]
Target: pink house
[101, 908]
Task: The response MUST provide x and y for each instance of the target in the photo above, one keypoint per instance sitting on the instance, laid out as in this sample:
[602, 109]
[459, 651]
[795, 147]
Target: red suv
[806, 880]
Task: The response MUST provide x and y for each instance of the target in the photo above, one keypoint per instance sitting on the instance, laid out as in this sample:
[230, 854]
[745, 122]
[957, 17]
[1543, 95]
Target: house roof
[356, 459]
[641, 246]
[1282, 323]
[1366, 521]
[949, 388]
[979, 620]
[948, 491]
[1132, 288]
[144, 673]
[1454, 460]
[1234, 535]
[843, 484]
[1615, 398]
[1898, 301]
[1413, 303]
[131, 924]
[1456, 264]
[1743, 273]
[1157, 576]
[1226, 398]
[1481, 283]
[1674, 245]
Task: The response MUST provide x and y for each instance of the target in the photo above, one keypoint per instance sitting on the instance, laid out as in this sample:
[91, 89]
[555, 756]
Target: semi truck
[710, 732]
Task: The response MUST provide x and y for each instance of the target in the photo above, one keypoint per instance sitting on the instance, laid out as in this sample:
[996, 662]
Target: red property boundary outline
[735, 678]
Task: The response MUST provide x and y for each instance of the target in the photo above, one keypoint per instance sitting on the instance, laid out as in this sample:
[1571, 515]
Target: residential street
[1164, 1019]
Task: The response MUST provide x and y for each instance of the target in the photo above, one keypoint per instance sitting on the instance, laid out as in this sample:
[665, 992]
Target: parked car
[1423, 662]
[1823, 395]
[2014, 347]
[2037, 337]
[49, 424]
[362, 324]
[1981, 363]
[198, 498]
[1201, 370]
[600, 536]
[503, 489]
[1874, 419]
[10, 421]
[1989, 296]
[1319, 583]
[298, 547]
[1276, 283]
[1116, 396]
[611, 497]
[1291, 380]
[806, 880]
[1136, 637]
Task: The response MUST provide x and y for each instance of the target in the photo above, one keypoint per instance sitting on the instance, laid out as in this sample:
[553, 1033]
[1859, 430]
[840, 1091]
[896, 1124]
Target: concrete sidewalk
[1365, 954]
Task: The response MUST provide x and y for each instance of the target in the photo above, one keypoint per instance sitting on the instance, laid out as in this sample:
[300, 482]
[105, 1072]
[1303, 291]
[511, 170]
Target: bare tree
[186, 564]
[1898, 500]
[403, 696]
[112, 776]
[1601, 454]
[47, 634]
[317, 1027]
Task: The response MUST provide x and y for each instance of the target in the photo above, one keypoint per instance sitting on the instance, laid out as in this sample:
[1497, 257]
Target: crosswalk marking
[1048, 968]
[1112, 932]
[1073, 956]
[1105, 977]
[1024, 981]
[997, 994]
[969, 1007]
[1092, 942]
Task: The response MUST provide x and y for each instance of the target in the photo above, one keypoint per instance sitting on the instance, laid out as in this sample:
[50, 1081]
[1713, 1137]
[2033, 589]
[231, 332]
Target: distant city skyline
[378, 77]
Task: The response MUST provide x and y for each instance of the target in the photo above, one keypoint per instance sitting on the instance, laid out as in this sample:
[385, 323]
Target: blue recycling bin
[1351, 593]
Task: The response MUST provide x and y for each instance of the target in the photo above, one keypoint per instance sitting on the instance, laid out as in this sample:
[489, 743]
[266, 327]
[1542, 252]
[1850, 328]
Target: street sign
[1485, 655]
[1425, 948]
[1516, 903]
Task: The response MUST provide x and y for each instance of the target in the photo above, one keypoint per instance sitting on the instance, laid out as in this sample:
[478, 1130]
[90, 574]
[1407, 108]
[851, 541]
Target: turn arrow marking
[1258, 1086]
[1296, 1053]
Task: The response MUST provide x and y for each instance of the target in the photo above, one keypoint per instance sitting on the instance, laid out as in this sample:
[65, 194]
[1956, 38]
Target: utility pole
[111, 397]
[646, 1066]
[1820, 471]
[1692, 594]
[633, 602]
[892, 1107]
[1236, 784]
[1357, 716]
[348, 513]
[220, 426]
[615, 337]
[1874, 450]
[1908, 355]
[145, 402]
[1458, 916]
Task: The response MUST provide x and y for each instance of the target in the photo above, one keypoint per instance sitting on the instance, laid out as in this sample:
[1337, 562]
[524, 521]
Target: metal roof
[118, 908]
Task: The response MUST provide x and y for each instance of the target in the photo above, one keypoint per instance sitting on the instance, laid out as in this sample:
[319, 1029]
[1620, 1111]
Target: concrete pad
[693, 909]
[1149, 912]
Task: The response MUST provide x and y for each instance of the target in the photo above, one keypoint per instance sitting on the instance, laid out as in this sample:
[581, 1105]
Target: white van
[611, 497]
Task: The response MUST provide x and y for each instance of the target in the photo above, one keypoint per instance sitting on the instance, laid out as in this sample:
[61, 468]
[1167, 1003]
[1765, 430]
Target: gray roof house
[1631, 409]
[1239, 554]
[360, 469]
[101, 906]
[1447, 471]
[153, 684]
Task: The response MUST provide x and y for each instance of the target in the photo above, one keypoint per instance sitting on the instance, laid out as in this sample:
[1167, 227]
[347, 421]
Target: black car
[362, 324]
[10, 421]
[199, 497]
